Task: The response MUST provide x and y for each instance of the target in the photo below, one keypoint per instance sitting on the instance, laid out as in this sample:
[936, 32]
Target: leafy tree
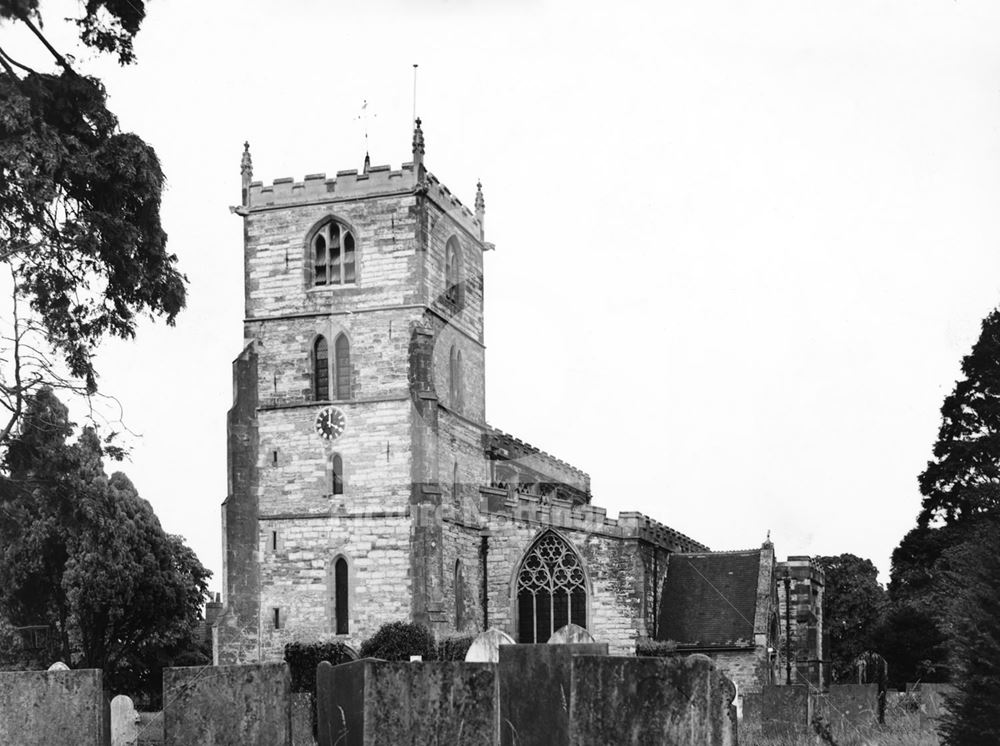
[973, 717]
[85, 555]
[964, 477]
[853, 604]
[80, 224]
[397, 641]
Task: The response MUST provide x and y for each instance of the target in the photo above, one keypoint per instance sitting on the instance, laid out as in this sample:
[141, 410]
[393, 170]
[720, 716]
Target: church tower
[359, 403]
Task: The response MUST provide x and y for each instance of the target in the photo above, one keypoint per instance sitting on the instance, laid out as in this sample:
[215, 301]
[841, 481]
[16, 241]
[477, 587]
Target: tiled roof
[709, 599]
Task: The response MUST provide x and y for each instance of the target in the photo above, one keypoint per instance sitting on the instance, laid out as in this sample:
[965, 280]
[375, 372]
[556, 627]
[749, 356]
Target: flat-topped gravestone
[637, 701]
[571, 634]
[124, 722]
[784, 711]
[53, 708]
[846, 707]
[248, 705]
[535, 692]
[486, 647]
[373, 702]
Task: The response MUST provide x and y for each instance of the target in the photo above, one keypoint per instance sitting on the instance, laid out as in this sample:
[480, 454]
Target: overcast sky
[742, 246]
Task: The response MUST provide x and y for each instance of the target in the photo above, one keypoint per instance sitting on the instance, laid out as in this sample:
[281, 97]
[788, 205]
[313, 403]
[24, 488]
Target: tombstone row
[523, 695]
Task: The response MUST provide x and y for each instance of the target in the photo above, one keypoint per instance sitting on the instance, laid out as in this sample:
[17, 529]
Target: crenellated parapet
[373, 181]
[559, 513]
[524, 468]
[347, 185]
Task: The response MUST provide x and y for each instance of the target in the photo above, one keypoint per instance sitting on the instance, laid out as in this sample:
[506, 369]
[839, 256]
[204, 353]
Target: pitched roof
[709, 599]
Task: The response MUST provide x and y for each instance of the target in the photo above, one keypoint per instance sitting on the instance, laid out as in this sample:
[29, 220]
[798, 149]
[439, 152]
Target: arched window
[452, 271]
[333, 255]
[337, 469]
[551, 590]
[459, 596]
[342, 367]
[321, 370]
[340, 596]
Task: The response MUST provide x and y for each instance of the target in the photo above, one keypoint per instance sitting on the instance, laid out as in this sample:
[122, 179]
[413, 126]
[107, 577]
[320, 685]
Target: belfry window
[342, 367]
[452, 271]
[333, 255]
[321, 370]
[551, 590]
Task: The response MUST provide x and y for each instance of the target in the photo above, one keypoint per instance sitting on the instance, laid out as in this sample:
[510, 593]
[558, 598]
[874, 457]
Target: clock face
[330, 423]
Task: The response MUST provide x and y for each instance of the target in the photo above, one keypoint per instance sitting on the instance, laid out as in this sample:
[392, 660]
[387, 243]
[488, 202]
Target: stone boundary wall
[54, 708]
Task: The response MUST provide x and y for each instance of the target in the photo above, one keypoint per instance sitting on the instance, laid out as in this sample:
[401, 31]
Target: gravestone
[397, 703]
[247, 705]
[59, 666]
[784, 711]
[637, 701]
[124, 722]
[302, 719]
[752, 711]
[571, 634]
[535, 692]
[485, 648]
[53, 708]
[848, 707]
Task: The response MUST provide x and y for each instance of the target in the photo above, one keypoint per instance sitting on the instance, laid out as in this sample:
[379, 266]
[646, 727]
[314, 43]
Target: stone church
[366, 486]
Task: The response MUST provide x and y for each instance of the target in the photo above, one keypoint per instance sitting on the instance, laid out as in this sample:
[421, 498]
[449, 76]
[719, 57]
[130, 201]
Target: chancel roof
[710, 599]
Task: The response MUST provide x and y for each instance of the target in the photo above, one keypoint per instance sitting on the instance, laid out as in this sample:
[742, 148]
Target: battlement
[350, 184]
[500, 441]
[560, 513]
[347, 185]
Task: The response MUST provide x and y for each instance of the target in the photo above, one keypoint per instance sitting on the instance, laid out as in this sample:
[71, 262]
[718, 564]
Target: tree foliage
[973, 716]
[80, 223]
[85, 555]
[964, 477]
[853, 604]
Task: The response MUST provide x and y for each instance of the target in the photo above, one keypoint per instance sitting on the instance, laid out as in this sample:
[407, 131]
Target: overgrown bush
[303, 657]
[656, 648]
[397, 641]
[453, 648]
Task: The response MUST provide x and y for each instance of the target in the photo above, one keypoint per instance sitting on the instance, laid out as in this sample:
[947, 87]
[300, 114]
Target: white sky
[741, 246]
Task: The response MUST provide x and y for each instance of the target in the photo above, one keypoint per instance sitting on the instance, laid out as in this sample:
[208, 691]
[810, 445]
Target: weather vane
[363, 118]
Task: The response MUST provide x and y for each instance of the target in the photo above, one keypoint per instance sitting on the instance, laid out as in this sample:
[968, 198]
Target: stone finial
[480, 210]
[368, 163]
[418, 146]
[246, 172]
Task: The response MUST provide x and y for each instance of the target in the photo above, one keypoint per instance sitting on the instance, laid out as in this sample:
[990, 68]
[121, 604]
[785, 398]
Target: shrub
[656, 648]
[303, 657]
[397, 641]
[453, 648]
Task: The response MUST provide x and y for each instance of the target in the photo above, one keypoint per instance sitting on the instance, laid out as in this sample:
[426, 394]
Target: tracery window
[321, 370]
[452, 271]
[333, 255]
[551, 590]
[342, 367]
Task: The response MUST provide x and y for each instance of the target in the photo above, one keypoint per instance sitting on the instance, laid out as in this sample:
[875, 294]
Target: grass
[903, 729]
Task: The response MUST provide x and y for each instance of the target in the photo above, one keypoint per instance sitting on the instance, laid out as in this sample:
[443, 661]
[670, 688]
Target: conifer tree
[964, 477]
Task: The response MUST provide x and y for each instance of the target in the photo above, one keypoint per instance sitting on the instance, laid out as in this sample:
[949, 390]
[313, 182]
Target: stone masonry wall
[278, 259]
[297, 577]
